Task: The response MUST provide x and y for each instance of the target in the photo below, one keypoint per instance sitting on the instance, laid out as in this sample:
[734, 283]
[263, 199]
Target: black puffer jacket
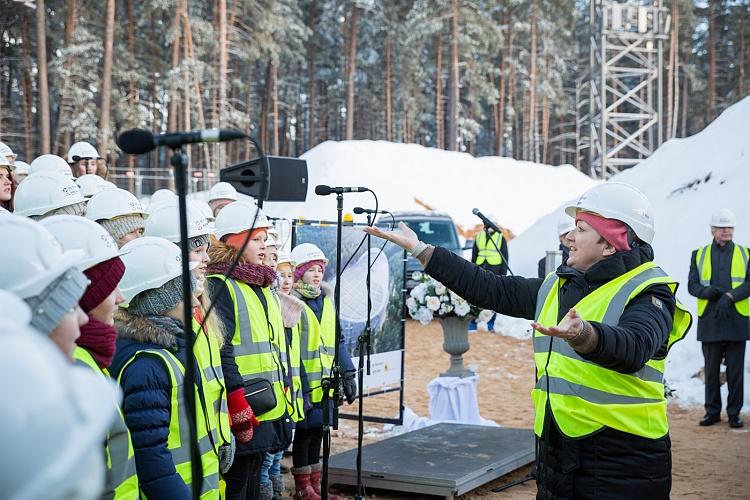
[608, 464]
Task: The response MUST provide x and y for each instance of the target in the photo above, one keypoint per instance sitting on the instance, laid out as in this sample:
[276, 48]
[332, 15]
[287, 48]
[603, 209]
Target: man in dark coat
[722, 328]
[564, 226]
[614, 229]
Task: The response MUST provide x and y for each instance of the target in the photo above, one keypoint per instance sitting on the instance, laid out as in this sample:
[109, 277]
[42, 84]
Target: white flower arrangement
[430, 299]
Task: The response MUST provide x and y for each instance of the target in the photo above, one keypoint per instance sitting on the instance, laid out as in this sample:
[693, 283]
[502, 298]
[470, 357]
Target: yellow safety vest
[489, 249]
[121, 480]
[208, 357]
[585, 397]
[318, 345]
[738, 273]
[178, 441]
[259, 342]
[295, 405]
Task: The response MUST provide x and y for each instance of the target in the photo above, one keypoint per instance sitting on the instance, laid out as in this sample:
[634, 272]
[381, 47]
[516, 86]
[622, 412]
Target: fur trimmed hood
[291, 309]
[140, 329]
[221, 253]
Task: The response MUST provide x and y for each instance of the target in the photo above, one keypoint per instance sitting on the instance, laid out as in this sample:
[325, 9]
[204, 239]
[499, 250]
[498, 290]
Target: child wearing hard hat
[95, 349]
[150, 364]
[254, 353]
[318, 337]
[84, 159]
[119, 212]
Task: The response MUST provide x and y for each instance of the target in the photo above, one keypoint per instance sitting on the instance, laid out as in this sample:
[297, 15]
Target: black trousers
[243, 477]
[733, 354]
[306, 447]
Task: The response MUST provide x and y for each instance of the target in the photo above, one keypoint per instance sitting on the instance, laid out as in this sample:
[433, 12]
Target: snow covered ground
[686, 180]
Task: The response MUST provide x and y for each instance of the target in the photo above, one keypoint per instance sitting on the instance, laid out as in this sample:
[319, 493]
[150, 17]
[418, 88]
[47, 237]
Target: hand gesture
[403, 236]
[570, 326]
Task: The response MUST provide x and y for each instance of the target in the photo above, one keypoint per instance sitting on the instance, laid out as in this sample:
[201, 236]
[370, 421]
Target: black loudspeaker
[269, 178]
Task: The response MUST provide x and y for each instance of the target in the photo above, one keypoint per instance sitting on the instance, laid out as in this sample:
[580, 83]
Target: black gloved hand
[350, 386]
[713, 292]
[724, 307]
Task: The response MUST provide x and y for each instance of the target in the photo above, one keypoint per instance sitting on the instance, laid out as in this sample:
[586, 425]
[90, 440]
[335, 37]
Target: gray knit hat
[75, 209]
[120, 226]
[57, 300]
[157, 301]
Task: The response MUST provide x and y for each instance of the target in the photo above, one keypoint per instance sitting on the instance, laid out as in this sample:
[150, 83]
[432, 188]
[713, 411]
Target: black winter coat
[608, 464]
[710, 327]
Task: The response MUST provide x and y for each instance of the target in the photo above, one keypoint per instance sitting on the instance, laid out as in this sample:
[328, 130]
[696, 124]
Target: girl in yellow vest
[604, 325]
[96, 346]
[150, 364]
[254, 352]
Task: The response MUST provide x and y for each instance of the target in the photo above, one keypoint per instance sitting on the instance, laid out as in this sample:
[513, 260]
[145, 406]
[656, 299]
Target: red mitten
[242, 418]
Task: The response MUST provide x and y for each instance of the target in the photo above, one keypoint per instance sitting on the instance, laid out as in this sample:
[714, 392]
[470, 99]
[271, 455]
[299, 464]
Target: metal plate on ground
[443, 459]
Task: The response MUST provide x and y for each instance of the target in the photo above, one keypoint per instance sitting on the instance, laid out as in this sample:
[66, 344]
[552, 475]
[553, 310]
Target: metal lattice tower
[622, 99]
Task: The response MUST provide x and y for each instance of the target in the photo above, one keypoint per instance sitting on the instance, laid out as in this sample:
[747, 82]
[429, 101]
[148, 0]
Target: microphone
[486, 221]
[360, 211]
[138, 141]
[323, 190]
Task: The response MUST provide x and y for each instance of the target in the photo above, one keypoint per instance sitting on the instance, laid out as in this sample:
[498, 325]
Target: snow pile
[686, 180]
[517, 192]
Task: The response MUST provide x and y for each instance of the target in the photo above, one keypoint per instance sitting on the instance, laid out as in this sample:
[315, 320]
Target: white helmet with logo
[32, 258]
[723, 218]
[45, 191]
[222, 191]
[91, 184]
[306, 252]
[619, 201]
[82, 151]
[149, 263]
[164, 222]
[79, 233]
[50, 163]
[112, 203]
[239, 216]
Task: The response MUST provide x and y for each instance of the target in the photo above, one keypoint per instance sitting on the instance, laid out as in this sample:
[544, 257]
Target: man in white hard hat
[564, 226]
[84, 159]
[720, 279]
[604, 324]
[221, 195]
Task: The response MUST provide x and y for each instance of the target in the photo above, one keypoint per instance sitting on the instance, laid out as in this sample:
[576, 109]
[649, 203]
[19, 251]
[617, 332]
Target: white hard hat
[50, 163]
[82, 151]
[204, 209]
[91, 184]
[619, 201]
[565, 225]
[723, 218]
[45, 191]
[149, 263]
[222, 191]
[161, 195]
[32, 258]
[239, 216]
[6, 151]
[14, 309]
[112, 203]
[79, 233]
[270, 241]
[5, 162]
[22, 168]
[164, 222]
[55, 418]
[306, 252]
[284, 258]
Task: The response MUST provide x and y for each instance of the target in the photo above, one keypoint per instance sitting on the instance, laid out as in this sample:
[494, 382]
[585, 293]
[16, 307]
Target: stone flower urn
[456, 343]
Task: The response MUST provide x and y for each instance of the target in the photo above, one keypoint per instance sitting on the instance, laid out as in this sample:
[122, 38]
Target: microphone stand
[179, 162]
[365, 345]
[333, 381]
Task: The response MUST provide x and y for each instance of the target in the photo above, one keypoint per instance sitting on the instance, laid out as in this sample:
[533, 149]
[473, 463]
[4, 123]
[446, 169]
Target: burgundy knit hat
[300, 270]
[104, 277]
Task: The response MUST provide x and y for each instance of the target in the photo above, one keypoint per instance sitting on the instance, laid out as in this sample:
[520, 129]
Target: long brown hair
[8, 205]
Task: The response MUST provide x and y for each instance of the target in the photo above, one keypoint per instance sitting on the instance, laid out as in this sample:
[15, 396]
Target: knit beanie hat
[104, 278]
[120, 226]
[302, 269]
[612, 230]
[157, 301]
[75, 209]
[55, 301]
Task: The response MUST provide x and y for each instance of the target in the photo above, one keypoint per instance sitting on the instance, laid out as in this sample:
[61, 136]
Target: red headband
[612, 230]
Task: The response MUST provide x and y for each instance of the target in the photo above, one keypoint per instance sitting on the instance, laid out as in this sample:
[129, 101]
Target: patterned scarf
[306, 290]
[99, 340]
[252, 274]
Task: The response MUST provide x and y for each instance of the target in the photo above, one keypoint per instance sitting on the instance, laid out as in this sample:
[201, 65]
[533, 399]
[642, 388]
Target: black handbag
[260, 396]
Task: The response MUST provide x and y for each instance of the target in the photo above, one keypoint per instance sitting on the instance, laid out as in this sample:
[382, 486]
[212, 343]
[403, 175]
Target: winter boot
[302, 486]
[266, 491]
[278, 487]
[315, 473]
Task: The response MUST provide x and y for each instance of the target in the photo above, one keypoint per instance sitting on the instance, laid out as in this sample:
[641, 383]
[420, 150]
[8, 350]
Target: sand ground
[708, 463]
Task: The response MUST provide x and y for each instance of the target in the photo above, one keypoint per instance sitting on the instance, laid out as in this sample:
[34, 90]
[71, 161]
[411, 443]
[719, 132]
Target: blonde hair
[212, 325]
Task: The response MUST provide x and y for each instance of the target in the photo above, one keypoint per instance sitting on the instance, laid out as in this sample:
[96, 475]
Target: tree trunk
[454, 91]
[533, 143]
[711, 59]
[190, 57]
[684, 105]
[41, 59]
[509, 57]
[312, 81]
[388, 89]
[352, 70]
[28, 94]
[249, 107]
[106, 100]
[264, 108]
[275, 107]
[439, 115]
[131, 84]
[676, 98]
[221, 151]
[173, 94]
[510, 89]
[671, 70]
